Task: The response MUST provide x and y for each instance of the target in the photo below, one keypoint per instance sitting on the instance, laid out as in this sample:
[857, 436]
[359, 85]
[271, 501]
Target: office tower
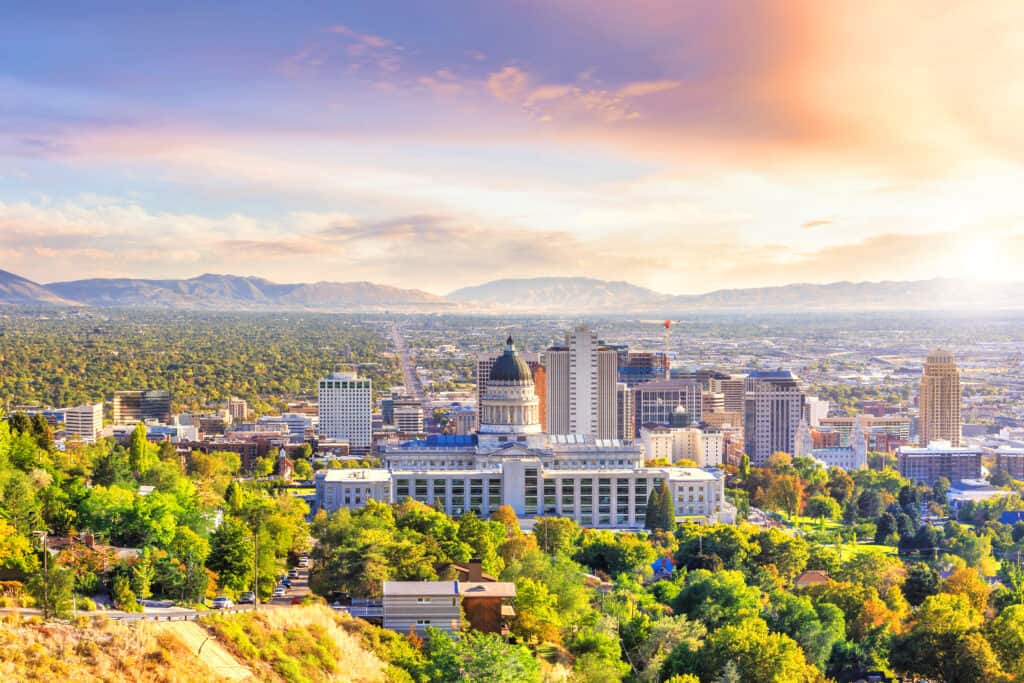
[583, 383]
[139, 406]
[712, 402]
[409, 417]
[625, 420]
[238, 409]
[733, 391]
[484, 363]
[939, 400]
[345, 412]
[897, 426]
[774, 409]
[656, 402]
[556, 369]
[607, 394]
[84, 422]
[940, 459]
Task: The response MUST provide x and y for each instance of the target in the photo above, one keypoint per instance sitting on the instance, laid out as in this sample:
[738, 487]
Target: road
[408, 363]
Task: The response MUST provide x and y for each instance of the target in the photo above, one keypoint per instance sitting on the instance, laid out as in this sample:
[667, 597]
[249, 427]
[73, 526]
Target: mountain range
[546, 295]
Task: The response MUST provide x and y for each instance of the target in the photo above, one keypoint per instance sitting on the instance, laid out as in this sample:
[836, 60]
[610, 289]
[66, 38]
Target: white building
[408, 418]
[815, 410]
[351, 488]
[852, 457]
[511, 461]
[346, 409]
[84, 422]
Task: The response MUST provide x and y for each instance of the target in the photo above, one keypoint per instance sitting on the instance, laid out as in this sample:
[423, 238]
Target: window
[422, 600]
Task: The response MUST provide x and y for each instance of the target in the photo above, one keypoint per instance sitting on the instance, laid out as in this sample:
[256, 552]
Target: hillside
[560, 294]
[233, 292]
[15, 289]
[293, 645]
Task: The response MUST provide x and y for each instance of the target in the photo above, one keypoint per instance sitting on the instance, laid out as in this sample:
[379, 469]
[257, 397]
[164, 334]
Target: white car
[279, 592]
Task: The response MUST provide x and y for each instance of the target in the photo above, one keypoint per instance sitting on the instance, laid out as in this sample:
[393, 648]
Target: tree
[922, 582]
[870, 503]
[1006, 634]
[823, 507]
[141, 453]
[231, 554]
[885, 528]
[717, 598]
[123, 596]
[506, 515]
[745, 466]
[928, 648]
[840, 485]
[143, 572]
[786, 493]
[476, 656]
[52, 589]
[788, 554]
[556, 535]
[660, 509]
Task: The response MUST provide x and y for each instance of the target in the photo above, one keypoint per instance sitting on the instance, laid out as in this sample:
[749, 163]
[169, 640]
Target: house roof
[467, 589]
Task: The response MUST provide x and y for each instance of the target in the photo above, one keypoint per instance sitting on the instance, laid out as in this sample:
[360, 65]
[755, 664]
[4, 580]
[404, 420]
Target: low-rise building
[939, 459]
[414, 606]
[84, 422]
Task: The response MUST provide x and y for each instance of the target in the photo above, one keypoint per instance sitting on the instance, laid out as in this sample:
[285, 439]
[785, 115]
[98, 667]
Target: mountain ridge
[544, 295]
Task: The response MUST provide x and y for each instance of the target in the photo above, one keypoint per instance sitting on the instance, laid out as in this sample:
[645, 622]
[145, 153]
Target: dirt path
[210, 652]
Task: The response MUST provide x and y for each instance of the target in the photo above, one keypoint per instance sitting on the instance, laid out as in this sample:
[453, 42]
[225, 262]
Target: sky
[683, 146]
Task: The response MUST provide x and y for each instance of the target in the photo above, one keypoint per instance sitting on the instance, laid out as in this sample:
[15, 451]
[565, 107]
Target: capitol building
[511, 461]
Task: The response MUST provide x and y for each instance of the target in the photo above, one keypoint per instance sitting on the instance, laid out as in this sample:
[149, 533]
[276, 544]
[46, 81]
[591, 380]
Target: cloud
[508, 85]
[816, 223]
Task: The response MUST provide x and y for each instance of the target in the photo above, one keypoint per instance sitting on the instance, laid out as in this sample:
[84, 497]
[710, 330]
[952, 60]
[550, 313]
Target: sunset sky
[683, 146]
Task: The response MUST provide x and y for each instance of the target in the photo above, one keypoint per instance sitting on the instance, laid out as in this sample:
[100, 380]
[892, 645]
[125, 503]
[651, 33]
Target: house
[417, 605]
[811, 577]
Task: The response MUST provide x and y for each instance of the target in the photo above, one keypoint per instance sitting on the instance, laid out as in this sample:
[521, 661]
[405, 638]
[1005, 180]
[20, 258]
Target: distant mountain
[545, 295]
[15, 289]
[231, 291]
[560, 294]
[937, 294]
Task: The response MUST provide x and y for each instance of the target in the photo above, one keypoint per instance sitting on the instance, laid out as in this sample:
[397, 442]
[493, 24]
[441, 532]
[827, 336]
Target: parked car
[279, 592]
[293, 574]
[247, 598]
[286, 583]
[296, 600]
[221, 602]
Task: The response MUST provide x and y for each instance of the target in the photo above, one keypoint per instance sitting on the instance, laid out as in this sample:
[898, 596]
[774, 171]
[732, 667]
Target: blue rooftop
[442, 441]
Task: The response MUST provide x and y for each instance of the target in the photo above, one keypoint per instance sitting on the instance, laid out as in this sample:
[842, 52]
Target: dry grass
[89, 651]
[297, 645]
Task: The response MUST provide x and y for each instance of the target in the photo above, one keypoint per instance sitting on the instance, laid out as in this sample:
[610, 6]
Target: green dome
[509, 367]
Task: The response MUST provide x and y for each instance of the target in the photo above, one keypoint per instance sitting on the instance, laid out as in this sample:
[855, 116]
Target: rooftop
[489, 589]
[361, 474]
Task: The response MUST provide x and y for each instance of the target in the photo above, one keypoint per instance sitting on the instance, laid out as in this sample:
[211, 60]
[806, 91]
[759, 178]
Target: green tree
[823, 507]
[556, 535]
[52, 589]
[661, 513]
[922, 581]
[141, 453]
[476, 656]
[231, 554]
[716, 599]
[123, 596]
[1006, 634]
[143, 572]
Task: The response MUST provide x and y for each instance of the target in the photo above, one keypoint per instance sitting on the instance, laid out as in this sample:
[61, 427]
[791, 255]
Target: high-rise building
[346, 409]
[815, 410]
[625, 420]
[484, 363]
[84, 422]
[733, 391]
[656, 402]
[607, 394]
[238, 409]
[774, 409]
[556, 369]
[939, 400]
[637, 367]
[583, 384]
[139, 406]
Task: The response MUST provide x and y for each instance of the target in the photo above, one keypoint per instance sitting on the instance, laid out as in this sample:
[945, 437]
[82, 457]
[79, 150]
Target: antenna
[668, 334]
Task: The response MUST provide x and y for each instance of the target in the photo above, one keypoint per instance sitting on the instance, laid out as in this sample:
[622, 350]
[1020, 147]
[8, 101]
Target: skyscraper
[345, 410]
[625, 427]
[581, 378]
[656, 402]
[84, 421]
[774, 408]
[939, 400]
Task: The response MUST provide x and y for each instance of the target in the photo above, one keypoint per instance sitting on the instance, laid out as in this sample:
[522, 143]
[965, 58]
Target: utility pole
[46, 573]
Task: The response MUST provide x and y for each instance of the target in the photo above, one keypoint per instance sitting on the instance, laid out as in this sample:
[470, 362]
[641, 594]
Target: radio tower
[668, 333]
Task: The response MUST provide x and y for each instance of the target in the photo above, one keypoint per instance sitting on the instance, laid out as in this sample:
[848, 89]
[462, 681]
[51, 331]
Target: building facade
[774, 409]
[657, 402]
[84, 422]
[346, 409]
[938, 401]
[939, 459]
[138, 406]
